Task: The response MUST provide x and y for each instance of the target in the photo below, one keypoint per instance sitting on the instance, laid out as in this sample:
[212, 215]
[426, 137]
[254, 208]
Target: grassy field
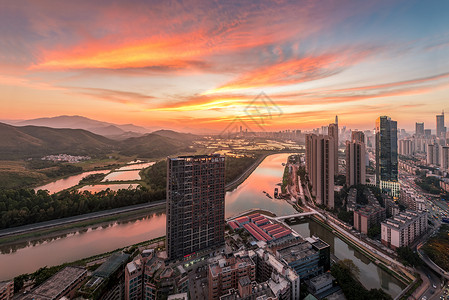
[21, 174]
[436, 248]
[14, 174]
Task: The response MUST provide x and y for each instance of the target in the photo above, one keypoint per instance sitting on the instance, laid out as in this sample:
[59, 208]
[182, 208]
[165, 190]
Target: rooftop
[55, 286]
[296, 252]
[322, 279]
[111, 265]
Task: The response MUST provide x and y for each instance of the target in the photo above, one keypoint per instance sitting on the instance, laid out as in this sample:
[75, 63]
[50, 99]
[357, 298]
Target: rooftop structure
[61, 284]
[6, 290]
[261, 228]
[112, 264]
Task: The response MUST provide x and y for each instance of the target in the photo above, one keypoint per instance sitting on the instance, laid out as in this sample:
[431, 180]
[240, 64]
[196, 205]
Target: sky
[201, 66]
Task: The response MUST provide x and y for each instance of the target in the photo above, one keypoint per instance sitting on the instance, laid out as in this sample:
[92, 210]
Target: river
[28, 257]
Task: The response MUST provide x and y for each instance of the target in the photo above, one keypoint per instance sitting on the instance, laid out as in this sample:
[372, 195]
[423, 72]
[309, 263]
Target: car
[434, 286]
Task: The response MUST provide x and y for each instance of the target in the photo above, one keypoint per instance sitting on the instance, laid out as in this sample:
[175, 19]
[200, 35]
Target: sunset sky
[196, 65]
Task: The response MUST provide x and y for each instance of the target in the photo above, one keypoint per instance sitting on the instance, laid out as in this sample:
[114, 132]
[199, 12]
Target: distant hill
[79, 122]
[176, 135]
[36, 141]
[155, 145]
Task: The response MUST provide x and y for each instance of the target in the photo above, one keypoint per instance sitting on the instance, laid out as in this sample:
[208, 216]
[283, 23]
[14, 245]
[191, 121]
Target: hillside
[154, 145]
[35, 141]
[79, 122]
[176, 135]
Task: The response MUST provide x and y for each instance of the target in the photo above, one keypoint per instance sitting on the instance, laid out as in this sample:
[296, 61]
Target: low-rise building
[224, 274]
[147, 278]
[402, 229]
[367, 217]
[65, 283]
[321, 283]
[282, 279]
[6, 290]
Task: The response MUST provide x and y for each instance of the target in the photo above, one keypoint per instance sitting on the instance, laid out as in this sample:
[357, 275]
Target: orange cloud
[297, 70]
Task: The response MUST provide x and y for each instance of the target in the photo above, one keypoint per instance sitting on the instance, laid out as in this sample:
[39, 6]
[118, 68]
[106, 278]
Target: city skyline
[190, 66]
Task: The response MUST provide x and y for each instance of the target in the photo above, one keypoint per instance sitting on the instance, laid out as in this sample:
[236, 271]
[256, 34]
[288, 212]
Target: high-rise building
[419, 129]
[195, 204]
[433, 154]
[444, 158]
[320, 167]
[441, 130]
[355, 162]
[428, 133]
[358, 136]
[333, 132]
[387, 156]
[406, 147]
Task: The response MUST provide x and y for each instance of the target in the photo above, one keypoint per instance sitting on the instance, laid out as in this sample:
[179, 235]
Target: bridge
[298, 215]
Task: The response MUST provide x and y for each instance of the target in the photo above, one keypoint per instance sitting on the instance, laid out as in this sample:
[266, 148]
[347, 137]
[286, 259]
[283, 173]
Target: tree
[350, 266]
[374, 231]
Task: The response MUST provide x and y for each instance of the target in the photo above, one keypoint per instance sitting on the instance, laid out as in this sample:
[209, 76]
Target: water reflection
[370, 275]
[122, 176]
[250, 193]
[68, 182]
[113, 187]
[29, 256]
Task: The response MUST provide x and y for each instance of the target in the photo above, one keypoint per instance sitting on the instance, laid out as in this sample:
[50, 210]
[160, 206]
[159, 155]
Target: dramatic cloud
[202, 62]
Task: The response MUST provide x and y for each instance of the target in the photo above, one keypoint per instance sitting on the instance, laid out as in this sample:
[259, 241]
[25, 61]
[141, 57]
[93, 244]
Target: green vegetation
[25, 206]
[237, 166]
[429, 184]
[286, 180]
[92, 178]
[345, 272]
[153, 145]
[436, 248]
[374, 231]
[35, 141]
[155, 177]
[408, 257]
[417, 283]
[346, 216]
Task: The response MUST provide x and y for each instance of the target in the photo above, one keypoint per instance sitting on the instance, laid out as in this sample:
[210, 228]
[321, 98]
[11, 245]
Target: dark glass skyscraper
[387, 155]
[441, 130]
[195, 204]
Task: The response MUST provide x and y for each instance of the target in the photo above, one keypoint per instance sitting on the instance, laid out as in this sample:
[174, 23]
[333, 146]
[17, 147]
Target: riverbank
[403, 279]
[60, 225]
[50, 229]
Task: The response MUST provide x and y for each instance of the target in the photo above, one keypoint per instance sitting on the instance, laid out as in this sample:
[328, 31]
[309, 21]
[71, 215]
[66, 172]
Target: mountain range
[110, 130]
[37, 141]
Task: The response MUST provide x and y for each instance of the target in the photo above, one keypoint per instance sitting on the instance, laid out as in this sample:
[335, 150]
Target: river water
[29, 256]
